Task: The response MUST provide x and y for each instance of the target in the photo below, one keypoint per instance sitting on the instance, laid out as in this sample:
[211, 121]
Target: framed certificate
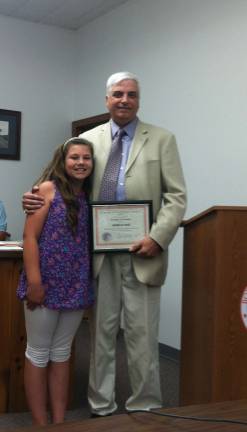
[117, 225]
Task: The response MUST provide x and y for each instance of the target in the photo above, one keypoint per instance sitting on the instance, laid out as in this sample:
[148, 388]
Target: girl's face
[78, 162]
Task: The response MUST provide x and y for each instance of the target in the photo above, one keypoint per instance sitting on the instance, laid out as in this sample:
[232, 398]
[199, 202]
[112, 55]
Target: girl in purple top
[56, 284]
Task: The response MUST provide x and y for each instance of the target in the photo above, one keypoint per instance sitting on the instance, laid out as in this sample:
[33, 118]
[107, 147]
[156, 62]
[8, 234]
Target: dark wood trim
[211, 210]
[83, 125]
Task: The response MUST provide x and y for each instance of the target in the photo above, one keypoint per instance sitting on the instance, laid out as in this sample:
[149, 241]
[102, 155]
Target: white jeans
[50, 334]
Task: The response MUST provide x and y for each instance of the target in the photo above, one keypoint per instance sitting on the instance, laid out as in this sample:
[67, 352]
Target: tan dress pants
[119, 290]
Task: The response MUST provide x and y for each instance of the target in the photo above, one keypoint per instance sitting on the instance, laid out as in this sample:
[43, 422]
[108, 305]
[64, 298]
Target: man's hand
[146, 248]
[31, 201]
[35, 295]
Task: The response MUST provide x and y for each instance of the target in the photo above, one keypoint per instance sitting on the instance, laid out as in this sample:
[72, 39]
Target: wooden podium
[13, 335]
[214, 336]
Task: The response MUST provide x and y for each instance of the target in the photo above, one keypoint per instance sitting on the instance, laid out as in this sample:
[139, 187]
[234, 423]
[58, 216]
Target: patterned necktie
[110, 176]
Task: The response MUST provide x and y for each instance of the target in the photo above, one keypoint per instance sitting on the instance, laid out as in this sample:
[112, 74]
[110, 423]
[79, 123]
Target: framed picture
[10, 134]
[116, 225]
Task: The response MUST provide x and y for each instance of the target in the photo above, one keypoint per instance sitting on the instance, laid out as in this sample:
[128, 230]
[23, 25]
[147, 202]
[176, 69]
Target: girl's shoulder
[47, 189]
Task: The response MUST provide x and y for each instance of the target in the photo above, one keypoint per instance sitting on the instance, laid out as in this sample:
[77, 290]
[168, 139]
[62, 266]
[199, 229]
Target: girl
[56, 284]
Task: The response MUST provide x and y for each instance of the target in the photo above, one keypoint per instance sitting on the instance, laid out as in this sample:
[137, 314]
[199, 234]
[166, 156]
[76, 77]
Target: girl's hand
[35, 295]
[31, 305]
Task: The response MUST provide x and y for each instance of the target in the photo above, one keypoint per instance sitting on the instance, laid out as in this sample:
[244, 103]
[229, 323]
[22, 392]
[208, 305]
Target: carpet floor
[169, 372]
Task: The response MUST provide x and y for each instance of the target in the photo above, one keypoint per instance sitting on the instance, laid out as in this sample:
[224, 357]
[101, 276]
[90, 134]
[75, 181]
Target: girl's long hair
[55, 171]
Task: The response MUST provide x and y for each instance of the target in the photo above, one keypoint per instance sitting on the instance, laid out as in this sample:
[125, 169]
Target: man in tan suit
[130, 283]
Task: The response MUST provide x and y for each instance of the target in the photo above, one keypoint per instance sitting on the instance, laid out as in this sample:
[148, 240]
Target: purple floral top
[64, 259]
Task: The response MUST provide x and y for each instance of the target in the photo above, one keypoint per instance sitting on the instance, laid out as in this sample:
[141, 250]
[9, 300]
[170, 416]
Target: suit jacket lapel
[103, 149]
[140, 137]
[106, 141]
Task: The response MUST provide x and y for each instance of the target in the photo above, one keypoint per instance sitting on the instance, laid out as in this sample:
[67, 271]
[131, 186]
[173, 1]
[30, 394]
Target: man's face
[123, 101]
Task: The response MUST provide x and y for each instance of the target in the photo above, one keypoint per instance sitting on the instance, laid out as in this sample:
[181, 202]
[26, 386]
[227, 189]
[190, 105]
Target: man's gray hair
[120, 76]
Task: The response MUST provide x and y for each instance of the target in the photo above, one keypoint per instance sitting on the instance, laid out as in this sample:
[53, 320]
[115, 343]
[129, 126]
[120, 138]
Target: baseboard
[169, 352]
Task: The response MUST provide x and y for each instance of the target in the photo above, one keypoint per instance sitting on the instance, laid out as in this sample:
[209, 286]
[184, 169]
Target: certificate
[117, 225]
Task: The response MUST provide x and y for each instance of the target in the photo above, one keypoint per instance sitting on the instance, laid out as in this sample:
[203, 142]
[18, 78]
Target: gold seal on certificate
[117, 225]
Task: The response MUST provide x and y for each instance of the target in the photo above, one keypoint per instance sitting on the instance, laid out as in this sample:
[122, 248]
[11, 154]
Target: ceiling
[68, 14]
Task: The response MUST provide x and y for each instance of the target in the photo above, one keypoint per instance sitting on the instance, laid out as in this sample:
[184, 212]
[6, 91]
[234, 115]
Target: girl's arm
[32, 230]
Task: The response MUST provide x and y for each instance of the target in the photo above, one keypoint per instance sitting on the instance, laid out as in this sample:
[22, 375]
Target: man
[131, 282]
[3, 222]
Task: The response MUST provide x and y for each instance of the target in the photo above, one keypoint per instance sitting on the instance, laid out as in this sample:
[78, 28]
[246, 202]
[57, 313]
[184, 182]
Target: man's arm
[172, 210]
[173, 207]
[3, 223]
[32, 201]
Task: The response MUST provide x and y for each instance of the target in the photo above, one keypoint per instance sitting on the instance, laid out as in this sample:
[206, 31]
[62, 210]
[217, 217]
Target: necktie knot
[119, 135]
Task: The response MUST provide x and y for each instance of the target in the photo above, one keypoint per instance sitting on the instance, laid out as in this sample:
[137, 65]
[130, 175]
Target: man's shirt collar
[129, 128]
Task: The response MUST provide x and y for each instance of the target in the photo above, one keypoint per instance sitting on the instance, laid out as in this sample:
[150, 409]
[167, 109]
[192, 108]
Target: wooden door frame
[83, 125]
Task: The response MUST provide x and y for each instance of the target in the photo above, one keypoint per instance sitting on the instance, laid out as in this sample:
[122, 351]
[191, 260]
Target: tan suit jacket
[153, 172]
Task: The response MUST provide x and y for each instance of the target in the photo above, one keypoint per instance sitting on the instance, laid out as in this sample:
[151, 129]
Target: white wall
[190, 56]
[36, 78]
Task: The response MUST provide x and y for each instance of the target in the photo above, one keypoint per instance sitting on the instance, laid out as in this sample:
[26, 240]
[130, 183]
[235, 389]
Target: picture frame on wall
[10, 134]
